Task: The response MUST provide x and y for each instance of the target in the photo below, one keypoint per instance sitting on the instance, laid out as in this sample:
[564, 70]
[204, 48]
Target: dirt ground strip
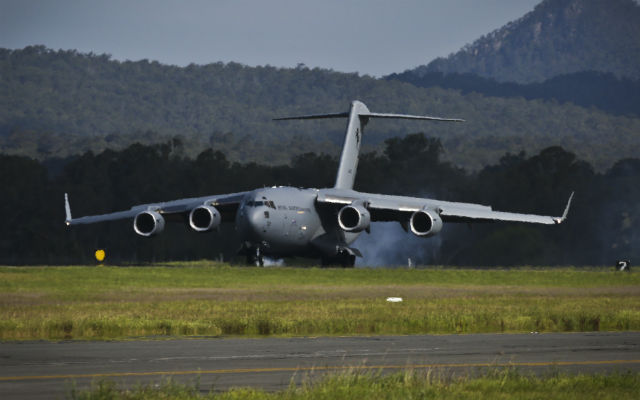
[315, 292]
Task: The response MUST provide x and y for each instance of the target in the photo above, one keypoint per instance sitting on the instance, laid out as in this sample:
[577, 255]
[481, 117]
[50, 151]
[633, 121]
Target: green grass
[207, 299]
[81, 279]
[498, 384]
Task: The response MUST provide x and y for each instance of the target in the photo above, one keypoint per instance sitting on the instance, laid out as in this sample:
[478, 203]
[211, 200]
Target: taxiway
[46, 369]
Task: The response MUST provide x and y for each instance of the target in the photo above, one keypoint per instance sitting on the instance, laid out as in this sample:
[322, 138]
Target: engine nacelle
[354, 218]
[204, 218]
[148, 223]
[425, 223]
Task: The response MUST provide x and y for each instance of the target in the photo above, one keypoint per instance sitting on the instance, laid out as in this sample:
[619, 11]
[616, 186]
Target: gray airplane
[322, 223]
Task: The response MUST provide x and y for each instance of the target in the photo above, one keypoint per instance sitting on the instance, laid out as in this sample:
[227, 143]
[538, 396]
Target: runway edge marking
[318, 368]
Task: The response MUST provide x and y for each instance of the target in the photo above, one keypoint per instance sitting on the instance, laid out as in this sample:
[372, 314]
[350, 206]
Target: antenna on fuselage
[358, 117]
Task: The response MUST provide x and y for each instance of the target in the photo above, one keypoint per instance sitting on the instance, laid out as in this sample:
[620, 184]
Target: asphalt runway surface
[31, 370]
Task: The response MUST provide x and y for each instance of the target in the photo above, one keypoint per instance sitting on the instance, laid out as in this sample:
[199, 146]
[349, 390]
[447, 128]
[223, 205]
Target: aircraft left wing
[227, 204]
[397, 208]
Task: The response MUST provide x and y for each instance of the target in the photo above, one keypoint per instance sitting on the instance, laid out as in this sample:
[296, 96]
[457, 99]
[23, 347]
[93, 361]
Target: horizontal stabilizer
[371, 115]
[315, 116]
[404, 116]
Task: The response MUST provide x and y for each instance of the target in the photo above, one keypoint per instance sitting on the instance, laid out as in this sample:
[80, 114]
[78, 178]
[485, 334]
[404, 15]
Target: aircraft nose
[255, 220]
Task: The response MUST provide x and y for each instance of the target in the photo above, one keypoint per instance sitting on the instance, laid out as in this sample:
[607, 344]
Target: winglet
[566, 211]
[67, 210]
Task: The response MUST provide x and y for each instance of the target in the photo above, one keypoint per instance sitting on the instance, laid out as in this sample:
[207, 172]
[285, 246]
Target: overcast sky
[370, 37]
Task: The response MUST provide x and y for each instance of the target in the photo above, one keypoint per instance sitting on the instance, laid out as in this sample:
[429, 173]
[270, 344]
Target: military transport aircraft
[322, 223]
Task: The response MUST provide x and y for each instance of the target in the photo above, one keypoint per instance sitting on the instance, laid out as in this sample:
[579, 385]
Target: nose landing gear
[255, 258]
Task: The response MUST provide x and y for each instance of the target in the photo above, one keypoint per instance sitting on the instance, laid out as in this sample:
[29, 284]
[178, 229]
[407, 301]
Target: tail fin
[358, 117]
[351, 146]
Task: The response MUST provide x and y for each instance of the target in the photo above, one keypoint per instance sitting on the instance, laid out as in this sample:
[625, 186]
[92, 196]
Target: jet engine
[354, 218]
[425, 223]
[204, 218]
[148, 223]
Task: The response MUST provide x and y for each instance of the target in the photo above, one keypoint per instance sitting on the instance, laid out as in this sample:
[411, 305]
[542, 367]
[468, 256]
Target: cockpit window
[267, 203]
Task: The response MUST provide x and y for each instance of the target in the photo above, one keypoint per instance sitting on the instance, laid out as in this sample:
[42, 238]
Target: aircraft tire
[344, 261]
[348, 261]
[255, 259]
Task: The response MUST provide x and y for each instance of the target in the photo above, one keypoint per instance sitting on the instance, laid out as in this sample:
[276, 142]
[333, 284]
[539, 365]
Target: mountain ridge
[557, 37]
[60, 103]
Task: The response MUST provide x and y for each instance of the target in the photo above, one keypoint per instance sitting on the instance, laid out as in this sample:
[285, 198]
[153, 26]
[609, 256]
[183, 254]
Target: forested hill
[618, 96]
[58, 103]
[557, 37]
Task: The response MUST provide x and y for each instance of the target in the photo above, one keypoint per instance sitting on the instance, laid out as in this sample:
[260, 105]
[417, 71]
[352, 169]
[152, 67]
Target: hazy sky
[370, 37]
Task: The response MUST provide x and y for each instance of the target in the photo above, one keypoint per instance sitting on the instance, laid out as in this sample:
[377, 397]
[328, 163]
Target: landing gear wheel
[348, 261]
[259, 258]
[256, 258]
[344, 260]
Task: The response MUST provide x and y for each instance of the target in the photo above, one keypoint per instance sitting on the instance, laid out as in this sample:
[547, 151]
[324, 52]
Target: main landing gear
[343, 259]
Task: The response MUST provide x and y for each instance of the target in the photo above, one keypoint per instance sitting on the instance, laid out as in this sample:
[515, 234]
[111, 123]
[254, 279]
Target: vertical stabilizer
[351, 147]
[358, 116]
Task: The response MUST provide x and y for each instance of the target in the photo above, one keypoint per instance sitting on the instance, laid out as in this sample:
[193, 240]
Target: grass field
[208, 299]
[499, 384]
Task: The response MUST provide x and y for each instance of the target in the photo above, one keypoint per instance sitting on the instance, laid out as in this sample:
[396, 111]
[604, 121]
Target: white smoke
[389, 245]
[273, 262]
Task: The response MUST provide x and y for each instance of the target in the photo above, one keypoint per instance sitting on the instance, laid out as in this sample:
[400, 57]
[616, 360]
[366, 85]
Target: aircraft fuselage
[287, 221]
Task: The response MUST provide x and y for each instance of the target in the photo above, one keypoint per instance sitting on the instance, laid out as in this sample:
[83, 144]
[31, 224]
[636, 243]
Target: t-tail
[358, 117]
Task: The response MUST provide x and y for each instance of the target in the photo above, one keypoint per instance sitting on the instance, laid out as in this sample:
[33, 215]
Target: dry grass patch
[106, 303]
[356, 384]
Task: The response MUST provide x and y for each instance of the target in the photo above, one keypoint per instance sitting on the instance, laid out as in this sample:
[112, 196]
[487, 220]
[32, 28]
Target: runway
[30, 370]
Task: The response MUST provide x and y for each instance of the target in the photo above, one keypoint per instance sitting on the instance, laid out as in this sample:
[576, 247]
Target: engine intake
[204, 218]
[425, 223]
[148, 223]
[354, 218]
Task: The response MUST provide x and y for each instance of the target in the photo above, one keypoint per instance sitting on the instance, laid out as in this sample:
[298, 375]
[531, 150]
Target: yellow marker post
[100, 255]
